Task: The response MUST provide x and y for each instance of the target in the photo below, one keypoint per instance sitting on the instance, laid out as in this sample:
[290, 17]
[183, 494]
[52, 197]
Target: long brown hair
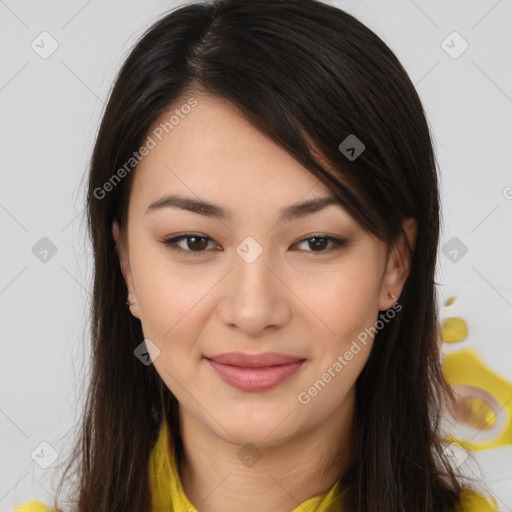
[305, 73]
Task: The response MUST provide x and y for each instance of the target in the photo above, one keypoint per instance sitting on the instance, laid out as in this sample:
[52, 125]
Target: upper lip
[254, 360]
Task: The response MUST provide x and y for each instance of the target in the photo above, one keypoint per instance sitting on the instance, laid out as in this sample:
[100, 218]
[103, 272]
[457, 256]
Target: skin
[292, 299]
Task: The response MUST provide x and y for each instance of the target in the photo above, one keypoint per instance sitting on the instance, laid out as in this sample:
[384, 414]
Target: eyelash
[337, 243]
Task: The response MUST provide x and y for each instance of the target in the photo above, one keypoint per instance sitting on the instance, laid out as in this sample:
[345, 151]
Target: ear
[122, 251]
[398, 264]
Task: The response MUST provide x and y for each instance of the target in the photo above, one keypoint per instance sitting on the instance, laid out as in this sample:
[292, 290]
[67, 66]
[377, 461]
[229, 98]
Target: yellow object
[477, 413]
[454, 329]
[33, 506]
[472, 501]
[169, 496]
[167, 488]
[450, 301]
[466, 368]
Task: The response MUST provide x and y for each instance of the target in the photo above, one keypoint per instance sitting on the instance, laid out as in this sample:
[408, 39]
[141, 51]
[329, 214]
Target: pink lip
[257, 372]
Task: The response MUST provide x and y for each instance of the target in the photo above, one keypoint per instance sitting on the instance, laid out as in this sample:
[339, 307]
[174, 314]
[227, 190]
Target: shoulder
[472, 501]
[33, 506]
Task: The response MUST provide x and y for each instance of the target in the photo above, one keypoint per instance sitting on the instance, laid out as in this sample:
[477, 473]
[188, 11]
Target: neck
[285, 475]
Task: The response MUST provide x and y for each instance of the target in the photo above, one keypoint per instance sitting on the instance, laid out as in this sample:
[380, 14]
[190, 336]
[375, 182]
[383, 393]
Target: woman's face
[258, 282]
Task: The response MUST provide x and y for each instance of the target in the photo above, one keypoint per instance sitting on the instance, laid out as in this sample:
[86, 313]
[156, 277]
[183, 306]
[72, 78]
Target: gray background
[49, 113]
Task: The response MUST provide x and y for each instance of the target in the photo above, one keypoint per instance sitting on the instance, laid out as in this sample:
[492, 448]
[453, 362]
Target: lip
[254, 360]
[255, 372]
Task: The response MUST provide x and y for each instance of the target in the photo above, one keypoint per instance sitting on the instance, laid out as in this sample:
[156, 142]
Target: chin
[258, 425]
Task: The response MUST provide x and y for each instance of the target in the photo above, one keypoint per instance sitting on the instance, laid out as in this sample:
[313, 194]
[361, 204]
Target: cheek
[170, 306]
[173, 299]
[346, 299]
[349, 307]
[168, 303]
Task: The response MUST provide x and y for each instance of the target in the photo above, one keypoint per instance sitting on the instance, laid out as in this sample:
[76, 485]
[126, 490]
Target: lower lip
[255, 379]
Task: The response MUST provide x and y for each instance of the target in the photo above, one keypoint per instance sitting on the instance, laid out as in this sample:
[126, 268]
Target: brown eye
[192, 244]
[320, 243]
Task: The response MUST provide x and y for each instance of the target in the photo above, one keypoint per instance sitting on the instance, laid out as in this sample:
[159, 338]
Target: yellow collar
[168, 494]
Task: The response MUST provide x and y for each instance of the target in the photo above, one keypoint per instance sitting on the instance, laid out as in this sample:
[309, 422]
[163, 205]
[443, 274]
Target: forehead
[213, 151]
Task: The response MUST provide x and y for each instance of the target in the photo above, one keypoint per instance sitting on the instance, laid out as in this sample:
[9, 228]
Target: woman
[263, 198]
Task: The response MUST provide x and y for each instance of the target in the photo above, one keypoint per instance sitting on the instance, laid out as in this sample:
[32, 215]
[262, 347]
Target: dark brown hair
[308, 75]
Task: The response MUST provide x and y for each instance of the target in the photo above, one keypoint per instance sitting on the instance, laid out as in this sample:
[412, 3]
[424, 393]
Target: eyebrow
[200, 207]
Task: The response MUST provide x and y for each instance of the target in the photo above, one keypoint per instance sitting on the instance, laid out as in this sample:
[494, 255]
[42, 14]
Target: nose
[255, 296]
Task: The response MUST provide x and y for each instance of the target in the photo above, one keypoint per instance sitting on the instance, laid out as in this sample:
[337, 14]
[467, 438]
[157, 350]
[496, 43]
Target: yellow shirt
[166, 488]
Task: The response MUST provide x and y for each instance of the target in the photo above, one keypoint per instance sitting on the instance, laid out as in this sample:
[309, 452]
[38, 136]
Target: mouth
[258, 372]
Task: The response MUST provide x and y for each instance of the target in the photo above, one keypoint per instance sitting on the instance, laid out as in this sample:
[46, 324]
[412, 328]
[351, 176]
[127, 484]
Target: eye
[196, 243]
[319, 242]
